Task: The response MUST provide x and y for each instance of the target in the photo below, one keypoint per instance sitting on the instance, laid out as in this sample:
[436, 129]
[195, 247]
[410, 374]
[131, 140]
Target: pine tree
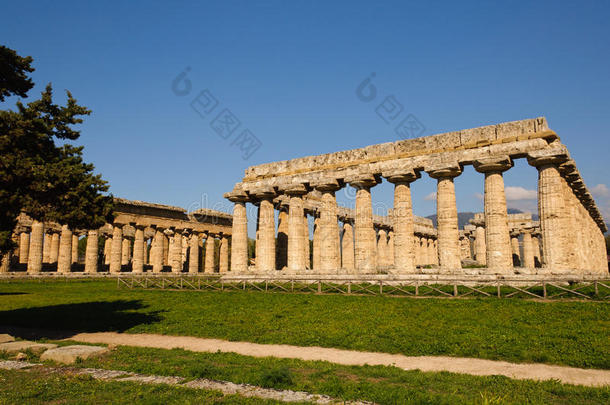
[46, 181]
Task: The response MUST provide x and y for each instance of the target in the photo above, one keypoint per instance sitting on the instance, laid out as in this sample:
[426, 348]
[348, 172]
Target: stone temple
[145, 237]
[369, 245]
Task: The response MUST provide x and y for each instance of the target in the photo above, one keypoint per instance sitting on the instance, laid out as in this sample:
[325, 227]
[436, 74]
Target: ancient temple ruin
[368, 245]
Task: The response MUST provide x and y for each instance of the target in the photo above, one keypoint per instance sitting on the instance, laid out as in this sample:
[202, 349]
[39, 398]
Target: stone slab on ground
[16, 365]
[4, 338]
[23, 345]
[69, 354]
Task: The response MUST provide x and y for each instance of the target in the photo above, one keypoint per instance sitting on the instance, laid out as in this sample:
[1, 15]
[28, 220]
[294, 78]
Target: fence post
[455, 290]
[499, 290]
[596, 288]
[319, 286]
[349, 287]
[380, 287]
[544, 289]
[416, 288]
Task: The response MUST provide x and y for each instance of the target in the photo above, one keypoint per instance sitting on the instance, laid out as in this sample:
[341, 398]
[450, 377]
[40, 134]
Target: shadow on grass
[63, 321]
[13, 293]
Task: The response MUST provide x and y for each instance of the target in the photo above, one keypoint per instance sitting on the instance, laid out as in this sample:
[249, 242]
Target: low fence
[545, 289]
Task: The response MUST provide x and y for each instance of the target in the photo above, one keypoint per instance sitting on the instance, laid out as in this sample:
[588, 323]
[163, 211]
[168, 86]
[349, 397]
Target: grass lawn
[383, 385]
[34, 387]
[574, 333]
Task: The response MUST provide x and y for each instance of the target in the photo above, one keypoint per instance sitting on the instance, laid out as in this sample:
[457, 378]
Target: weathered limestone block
[91, 251]
[36, 248]
[69, 354]
[23, 345]
[4, 338]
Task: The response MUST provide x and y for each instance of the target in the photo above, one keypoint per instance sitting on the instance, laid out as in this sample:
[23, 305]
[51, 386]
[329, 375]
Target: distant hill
[465, 217]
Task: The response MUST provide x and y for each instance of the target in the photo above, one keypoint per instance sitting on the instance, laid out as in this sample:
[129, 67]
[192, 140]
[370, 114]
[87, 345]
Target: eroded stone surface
[23, 345]
[69, 354]
[6, 338]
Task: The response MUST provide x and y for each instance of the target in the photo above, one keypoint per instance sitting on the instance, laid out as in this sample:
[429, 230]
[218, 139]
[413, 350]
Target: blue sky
[288, 71]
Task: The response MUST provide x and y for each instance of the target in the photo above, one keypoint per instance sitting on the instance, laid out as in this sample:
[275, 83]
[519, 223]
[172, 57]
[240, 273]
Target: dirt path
[569, 375]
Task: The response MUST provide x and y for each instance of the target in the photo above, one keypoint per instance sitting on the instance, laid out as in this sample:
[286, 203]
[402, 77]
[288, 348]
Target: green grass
[572, 333]
[36, 387]
[383, 385]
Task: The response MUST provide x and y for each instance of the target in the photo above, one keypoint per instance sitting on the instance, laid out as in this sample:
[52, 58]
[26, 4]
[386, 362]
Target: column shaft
[448, 234]
[138, 251]
[209, 254]
[116, 249]
[239, 239]
[402, 217]
[91, 252]
[347, 247]
[296, 235]
[194, 253]
[223, 265]
[36, 247]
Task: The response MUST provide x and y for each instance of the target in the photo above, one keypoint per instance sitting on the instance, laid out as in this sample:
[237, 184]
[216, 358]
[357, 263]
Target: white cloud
[431, 196]
[601, 190]
[479, 196]
[520, 193]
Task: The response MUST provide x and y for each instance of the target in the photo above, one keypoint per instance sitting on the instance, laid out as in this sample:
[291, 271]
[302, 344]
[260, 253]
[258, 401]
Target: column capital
[327, 185]
[263, 194]
[296, 190]
[493, 164]
[362, 181]
[402, 176]
[441, 171]
[554, 156]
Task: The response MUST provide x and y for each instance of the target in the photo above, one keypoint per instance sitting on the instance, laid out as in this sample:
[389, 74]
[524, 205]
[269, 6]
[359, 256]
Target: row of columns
[559, 210]
[169, 247]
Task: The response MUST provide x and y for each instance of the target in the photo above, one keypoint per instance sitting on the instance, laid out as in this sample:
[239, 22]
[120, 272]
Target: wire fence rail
[589, 289]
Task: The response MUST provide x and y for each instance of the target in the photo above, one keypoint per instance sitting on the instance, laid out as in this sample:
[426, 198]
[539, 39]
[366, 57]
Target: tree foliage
[48, 182]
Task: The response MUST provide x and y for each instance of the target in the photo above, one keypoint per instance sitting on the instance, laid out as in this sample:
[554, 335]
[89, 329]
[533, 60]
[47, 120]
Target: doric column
[515, 251]
[552, 211]
[497, 238]
[305, 229]
[317, 241]
[125, 250]
[364, 232]
[54, 252]
[265, 260]
[296, 234]
[480, 248]
[157, 250]
[402, 218]
[46, 249]
[165, 249]
[107, 249]
[138, 250]
[281, 247]
[64, 260]
[176, 252]
[430, 251]
[91, 251]
[446, 212]
[390, 257]
[528, 250]
[536, 248]
[330, 253]
[347, 246]
[74, 246]
[223, 265]
[382, 248]
[194, 253]
[209, 254]
[116, 249]
[35, 251]
[24, 247]
[239, 233]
